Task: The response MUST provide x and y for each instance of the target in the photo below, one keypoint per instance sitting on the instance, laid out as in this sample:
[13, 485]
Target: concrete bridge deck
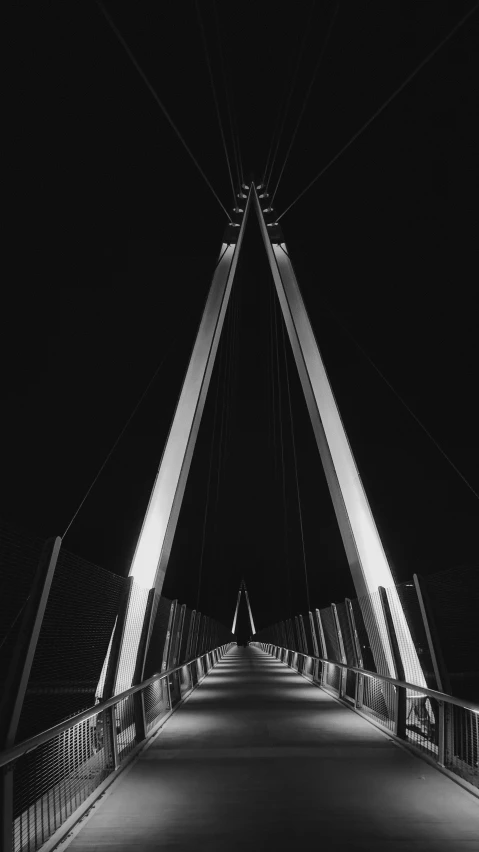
[259, 759]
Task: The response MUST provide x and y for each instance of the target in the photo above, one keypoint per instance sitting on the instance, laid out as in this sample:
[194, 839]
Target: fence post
[18, 674]
[189, 642]
[166, 646]
[313, 635]
[357, 653]
[434, 645]
[322, 642]
[343, 672]
[195, 638]
[303, 635]
[178, 637]
[398, 665]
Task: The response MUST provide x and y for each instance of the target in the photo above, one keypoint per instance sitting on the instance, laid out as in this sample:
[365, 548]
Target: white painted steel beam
[153, 548]
[365, 553]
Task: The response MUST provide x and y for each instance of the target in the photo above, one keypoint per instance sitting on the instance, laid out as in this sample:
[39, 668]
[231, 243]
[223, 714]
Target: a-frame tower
[244, 590]
[365, 553]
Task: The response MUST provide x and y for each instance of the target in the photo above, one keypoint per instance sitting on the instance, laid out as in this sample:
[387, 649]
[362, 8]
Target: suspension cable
[273, 394]
[296, 470]
[291, 89]
[383, 107]
[228, 104]
[158, 101]
[404, 403]
[208, 486]
[215, 98]
[125, 427]
[306, 99]
[280, 411]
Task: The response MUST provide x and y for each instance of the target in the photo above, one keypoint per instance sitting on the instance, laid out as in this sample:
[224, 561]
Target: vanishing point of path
[259, 759]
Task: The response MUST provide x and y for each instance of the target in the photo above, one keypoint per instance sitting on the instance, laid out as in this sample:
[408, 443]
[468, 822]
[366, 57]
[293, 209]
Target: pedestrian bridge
[259, 758]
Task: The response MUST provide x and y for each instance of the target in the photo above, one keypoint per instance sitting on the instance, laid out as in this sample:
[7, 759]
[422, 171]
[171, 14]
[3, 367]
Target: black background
[116, 236]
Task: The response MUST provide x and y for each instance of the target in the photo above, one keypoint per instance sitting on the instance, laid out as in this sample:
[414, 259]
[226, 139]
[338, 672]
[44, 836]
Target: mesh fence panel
[73, 643]
[371, 608]
[454, 597]
[410, 603]
[309, 638]
[365, 646]
[346, 634]
[125, 727]
[330, 634]
[463, 747]
[156, 702]
[52, 781]
[422, 722]
[379, 701]
[186, 633]
[19, 558]
[154, 657]
[332, 676]
[135, 619]
[405, 597]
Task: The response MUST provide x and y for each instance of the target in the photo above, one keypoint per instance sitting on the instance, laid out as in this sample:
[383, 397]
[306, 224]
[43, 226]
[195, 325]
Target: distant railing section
[62, 649]
[59, 771]
[443, 727]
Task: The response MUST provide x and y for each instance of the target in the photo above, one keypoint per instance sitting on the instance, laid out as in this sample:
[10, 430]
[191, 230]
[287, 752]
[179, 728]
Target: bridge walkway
[259, 759]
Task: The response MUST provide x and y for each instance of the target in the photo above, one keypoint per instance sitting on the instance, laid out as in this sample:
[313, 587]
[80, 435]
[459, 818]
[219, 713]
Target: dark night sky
[117, 237]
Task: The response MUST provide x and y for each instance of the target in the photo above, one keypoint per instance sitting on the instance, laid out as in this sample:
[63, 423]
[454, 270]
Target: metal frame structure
[365, 553]
[243, 588]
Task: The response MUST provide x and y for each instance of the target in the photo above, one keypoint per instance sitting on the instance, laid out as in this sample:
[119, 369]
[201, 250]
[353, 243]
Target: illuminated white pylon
[243, 588]
[367, 560]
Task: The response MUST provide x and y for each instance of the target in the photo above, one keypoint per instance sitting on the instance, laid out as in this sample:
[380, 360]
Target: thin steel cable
[306, 99]
[291, 90]
[273, 395]
[213, 89]
[401, 400]
[383, 107]
[125, 427]
[280, 412]
[208, 490]
[226, 88]
[145, 79]
[300, 512]
[222, 447]
[12, 625]
[240, 159]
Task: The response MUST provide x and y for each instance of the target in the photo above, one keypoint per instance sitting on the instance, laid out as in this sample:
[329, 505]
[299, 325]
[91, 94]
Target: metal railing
[444, 729]
[51, 779]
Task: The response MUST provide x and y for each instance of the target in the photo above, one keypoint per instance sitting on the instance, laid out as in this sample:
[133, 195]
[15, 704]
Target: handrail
[31, 743]
[432, 693]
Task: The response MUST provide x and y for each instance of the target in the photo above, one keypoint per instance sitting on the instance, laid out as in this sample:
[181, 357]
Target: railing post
[18, 674]
[398, 665]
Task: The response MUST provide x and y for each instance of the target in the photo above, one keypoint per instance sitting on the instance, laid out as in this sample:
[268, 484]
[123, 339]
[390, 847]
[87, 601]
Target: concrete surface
[259, 759]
